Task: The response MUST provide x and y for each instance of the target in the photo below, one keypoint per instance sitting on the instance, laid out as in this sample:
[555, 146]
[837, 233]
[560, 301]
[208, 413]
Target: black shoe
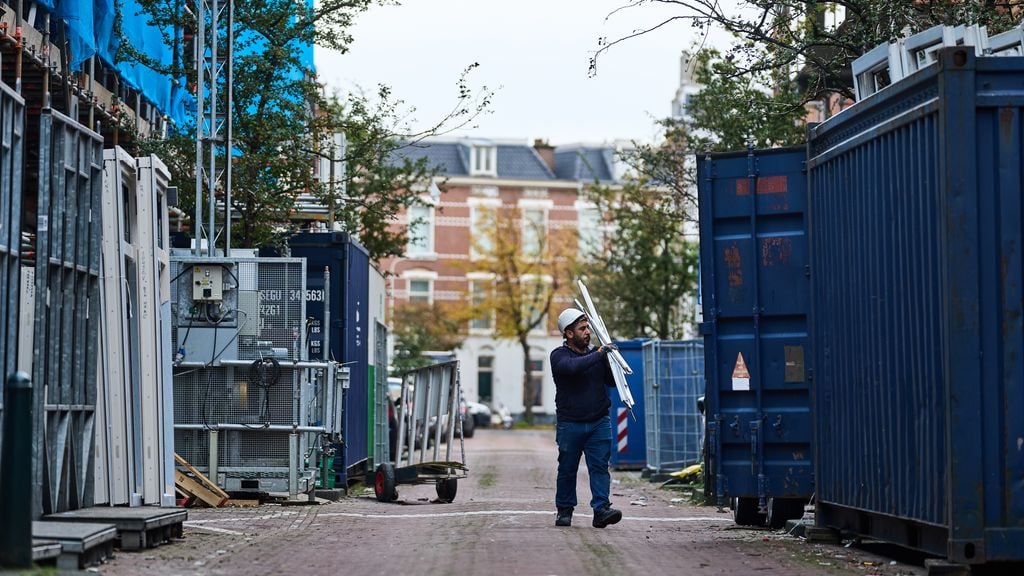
[564, 517]
[605, 516]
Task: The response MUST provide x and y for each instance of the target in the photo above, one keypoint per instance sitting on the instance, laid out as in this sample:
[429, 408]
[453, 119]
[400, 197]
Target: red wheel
[384, 483]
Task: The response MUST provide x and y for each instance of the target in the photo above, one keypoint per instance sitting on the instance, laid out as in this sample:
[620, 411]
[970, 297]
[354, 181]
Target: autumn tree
[419, 328]
[529, 266]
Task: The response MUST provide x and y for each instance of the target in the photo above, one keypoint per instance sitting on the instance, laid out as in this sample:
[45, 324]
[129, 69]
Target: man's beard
[581, 343]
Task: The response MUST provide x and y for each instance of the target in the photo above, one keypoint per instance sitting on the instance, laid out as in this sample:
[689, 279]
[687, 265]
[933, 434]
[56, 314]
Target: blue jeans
[594, 439]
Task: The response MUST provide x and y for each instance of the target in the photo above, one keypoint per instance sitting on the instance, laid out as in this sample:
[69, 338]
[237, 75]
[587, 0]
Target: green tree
[786, 38]
[420, 328]
[281, 119]
[531, 267]
[644, 273]
[734, 110]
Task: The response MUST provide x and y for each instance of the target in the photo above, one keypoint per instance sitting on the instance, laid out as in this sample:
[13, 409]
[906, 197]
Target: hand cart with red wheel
[428, 416]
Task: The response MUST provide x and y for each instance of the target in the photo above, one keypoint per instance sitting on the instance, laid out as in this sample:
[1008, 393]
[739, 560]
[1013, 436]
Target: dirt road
[502, 522]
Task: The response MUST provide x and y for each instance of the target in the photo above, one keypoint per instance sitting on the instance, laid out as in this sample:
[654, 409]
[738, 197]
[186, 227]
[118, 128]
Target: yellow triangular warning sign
[740, 371]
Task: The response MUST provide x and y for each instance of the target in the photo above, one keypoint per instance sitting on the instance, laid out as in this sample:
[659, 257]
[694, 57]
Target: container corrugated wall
[755, 295]
[673, 381]
[629, 450]
[349, 265]
[916, 218]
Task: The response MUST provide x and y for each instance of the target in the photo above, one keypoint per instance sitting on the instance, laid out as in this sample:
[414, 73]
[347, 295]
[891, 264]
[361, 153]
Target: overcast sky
[534, 53]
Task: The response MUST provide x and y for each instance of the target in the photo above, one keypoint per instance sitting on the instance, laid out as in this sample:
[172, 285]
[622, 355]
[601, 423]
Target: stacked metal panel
[673, 381]
[917, 271]
[134, 445]
[67, 269]
[12, 130]
[891, 62]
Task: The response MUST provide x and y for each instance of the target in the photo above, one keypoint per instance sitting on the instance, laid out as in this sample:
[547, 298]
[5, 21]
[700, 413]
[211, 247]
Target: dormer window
[483, 160]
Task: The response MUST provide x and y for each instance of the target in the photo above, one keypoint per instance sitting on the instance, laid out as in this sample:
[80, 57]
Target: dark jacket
[581, 384]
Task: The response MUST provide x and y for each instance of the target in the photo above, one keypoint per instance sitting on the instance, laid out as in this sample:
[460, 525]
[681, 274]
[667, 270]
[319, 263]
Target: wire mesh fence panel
[12, 131]
[67, 262]
[673, 382]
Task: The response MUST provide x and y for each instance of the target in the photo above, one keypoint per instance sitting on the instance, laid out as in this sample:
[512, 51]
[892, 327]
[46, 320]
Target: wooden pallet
[198, 487]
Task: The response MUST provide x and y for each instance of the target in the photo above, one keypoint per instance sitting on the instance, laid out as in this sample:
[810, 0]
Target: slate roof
[584, 164]
[517, 161]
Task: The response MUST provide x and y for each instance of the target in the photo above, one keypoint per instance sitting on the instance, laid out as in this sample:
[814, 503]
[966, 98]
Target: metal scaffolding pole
[215, 30]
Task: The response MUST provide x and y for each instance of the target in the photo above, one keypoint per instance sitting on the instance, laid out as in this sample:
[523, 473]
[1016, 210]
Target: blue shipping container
[630, 448]
[673, 382]
[916, 214]
[756, 299]
[349, 265]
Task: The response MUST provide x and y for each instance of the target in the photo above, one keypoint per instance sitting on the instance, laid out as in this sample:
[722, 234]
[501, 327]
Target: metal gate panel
[381, 398]
[115, 441]
[154, 348]
[67, 296]
[673, 375]
[12, 130]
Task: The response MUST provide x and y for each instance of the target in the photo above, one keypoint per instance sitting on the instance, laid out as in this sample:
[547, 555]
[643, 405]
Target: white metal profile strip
[619, 366]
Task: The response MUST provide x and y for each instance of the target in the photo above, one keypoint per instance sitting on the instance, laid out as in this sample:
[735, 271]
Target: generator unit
[249, 406]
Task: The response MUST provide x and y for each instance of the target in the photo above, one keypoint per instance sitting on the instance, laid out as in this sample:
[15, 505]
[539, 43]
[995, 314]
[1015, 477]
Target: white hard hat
[568, 317]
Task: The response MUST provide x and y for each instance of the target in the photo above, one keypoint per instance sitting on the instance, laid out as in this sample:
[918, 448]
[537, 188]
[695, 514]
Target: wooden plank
[189, 485]
[211, 486]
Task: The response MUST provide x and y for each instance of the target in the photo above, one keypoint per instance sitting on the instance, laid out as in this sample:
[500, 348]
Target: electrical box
[207, 283]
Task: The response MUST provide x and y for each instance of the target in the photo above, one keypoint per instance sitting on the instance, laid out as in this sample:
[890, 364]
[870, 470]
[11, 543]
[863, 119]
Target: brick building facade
[544, 184]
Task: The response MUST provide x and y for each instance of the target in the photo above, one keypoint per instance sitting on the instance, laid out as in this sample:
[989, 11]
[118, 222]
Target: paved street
[502, 522]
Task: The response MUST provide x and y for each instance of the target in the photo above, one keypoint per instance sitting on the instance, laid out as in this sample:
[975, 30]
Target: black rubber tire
[468, 427]
[384, 483]
[745, 512]
[446, 490]
[782, 509]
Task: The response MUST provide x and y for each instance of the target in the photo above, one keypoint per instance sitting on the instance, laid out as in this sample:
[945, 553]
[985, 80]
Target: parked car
[480, 414]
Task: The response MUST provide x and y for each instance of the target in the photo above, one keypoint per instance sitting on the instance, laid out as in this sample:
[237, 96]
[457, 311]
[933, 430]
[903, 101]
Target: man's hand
[606, 348]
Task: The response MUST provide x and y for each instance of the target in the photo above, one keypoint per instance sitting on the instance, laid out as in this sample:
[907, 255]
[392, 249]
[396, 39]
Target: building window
[483, 214]
[420, 290]
[421, 230]
[534, 395]
[533, 298]
[485, 379]
[535, 229]
[483, 160]
[479, 290]
[589, 226]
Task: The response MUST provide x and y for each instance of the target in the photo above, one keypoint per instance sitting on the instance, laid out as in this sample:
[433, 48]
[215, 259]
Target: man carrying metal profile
[582, 377]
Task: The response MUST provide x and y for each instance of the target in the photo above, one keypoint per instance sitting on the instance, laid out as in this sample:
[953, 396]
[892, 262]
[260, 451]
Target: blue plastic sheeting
[90, 32]
[104, 14]
[149, 42]
[80, 19]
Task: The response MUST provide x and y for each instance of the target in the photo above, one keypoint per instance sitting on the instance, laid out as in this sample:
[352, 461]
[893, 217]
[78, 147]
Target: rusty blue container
[917, 267]
[756, 300]
[349, 265]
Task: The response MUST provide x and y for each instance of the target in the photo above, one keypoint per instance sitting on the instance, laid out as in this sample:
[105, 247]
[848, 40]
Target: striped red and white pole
[622, 429]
